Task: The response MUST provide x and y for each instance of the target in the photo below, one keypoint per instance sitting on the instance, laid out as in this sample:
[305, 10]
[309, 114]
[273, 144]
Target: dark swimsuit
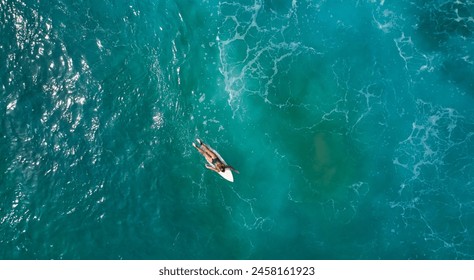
[216, 160]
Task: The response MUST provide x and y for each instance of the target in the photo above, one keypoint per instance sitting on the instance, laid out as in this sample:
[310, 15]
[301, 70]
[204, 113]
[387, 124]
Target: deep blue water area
[351, 123]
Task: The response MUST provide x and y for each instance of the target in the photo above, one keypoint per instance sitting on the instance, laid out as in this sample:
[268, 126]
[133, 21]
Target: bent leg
[201, 151]
[208, 151]
[206, 155]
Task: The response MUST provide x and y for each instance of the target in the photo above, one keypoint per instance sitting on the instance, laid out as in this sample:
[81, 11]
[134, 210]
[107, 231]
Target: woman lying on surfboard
[215, 163]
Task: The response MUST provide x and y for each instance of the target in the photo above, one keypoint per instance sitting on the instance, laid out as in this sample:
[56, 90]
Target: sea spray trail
[351, 125]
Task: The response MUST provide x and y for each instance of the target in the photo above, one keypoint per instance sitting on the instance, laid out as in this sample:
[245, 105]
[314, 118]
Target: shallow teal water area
[351, 123]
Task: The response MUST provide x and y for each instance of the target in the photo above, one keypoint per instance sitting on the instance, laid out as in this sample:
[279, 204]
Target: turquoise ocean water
[351, 123]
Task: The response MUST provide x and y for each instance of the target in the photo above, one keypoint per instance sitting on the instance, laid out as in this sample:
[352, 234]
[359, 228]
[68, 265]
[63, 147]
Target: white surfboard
[227, 174]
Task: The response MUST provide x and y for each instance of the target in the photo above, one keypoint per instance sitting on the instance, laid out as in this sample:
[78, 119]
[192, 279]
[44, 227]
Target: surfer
[215, 163]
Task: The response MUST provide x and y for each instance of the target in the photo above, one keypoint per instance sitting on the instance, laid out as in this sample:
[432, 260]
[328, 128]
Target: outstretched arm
[236, 171]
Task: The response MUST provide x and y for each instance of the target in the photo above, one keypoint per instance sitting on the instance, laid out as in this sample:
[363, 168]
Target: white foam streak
[261, 45]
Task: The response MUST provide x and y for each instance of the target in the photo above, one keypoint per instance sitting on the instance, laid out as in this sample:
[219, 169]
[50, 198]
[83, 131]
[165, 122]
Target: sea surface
[351, 123]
